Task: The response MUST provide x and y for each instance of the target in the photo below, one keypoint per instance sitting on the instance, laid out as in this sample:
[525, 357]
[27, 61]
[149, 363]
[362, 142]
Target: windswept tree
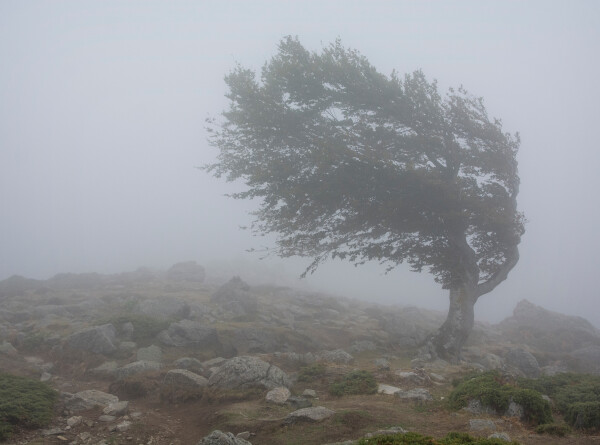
[349, 163]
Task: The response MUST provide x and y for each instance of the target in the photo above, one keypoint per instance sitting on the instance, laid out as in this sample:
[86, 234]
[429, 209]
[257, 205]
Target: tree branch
[512, 257]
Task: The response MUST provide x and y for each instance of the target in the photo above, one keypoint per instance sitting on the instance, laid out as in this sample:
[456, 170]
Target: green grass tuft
[355, 382]
[312, 372]
[418, 439]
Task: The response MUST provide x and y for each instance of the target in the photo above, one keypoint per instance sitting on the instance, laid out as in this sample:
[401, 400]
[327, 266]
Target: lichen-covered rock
[151, 353]
[88, 399]
[184, 379]
[188, 333]
[220, 438]
[189, 363]
[136, 368]
[235, 297]
[524, 361]
[336, 356]
[313, 414]
[278, 396]
[247, 372]
[97, 339]
[414, 394]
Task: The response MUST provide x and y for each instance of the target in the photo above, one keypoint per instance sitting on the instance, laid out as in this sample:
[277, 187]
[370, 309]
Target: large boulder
[588, 359]
[523, 361]
[182, 379]
[313, 414]
[88, 399]
[97, 339]
[235, 297]
[248, 372]
[187, 271]
[188, 333]
[165, 307]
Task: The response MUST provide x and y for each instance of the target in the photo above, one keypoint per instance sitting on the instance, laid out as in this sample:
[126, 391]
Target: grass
[418, 439]
[355, 382]
[24, 402]
[312, 372]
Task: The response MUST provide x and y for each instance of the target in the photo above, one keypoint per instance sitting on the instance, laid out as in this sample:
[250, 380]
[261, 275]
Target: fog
[102, 108]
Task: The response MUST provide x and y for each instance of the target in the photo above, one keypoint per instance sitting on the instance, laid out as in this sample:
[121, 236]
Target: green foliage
[312, 372]
[24, 402]
[577, 396]
[33, 342]
[489, 389]
[355, 382]
[553, 429]
[418, 439]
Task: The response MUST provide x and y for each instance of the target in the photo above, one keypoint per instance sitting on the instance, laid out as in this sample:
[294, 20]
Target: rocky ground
[153, 357]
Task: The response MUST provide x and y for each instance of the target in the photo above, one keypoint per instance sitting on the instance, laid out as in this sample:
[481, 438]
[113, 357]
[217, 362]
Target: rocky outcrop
[186, 271]
[523, 361]
[97, 339]
[235, 298]
[87, 399]
[248, 372]
[188, 333]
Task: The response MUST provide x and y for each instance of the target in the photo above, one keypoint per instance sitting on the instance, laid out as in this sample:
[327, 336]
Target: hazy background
[102, 108]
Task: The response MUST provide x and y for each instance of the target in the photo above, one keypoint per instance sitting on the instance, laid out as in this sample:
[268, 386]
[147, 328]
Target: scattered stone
[501, 436]
[362, 345]
[188, 333]
[184, 379]
[309, 393]
[515, 410]
[88, 399]
[235, 297]
[97, 339]
[278, 396]
[247, 372]
[387, 389]
[481, 425]
[45, 376]
[136, 368]
[220, 438]
[106, 369]
[52, 432]
[476, 407]
[420, 394]
[437, 377]
[336, 356]
[382, 364]
[411, 377]
[127, 346]
[74, 421]
[244, 435]
[123, 426]
[152, 353]
[314, 414]
[164, 308]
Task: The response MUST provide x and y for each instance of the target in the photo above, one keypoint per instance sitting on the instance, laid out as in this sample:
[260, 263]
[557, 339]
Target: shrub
[491, 391]
[24, 402]
[145, 328]
[355, 382]
[312, 372]
[584, 415]
[418, 439]
[553, 429]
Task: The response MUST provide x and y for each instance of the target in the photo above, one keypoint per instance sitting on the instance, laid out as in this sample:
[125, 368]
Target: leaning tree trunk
[447, 342]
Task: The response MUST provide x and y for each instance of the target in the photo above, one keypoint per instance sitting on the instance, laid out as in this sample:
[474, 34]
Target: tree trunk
[447, 342]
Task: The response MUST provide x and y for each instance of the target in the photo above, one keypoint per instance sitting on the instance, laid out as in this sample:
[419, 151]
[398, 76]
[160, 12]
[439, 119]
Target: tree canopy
[350, 163]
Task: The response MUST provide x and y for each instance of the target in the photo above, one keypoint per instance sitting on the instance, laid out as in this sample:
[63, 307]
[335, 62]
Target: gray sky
[102, 108]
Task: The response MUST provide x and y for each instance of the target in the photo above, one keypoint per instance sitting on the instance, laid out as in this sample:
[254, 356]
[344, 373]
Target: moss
[491, 391]
[25, 403]
[418, 439]
[312, 372]
[355, 382]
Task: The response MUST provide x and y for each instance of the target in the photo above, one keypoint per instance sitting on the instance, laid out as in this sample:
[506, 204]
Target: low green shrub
[584, 415]
[24, 402]
[355, 382]
[418, 439]
[490, 390]
[553, 429]
[312, 372]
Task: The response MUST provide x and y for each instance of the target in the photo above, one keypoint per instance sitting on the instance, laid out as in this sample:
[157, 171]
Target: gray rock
[481, 425]
[187, 333]
[411, 377]
[501, 436]
[476, 407]
[74, 421]
[165, 308]
[127, 330]
[106, 418]
[309, 393]
[588, 358]
[123, 426]
[152, 353]
[136, 368]
[247, 372]
[336, 356]
[88, 399]
[387, 389]
[278, 396]
[184, 379]
[313, 414]
[7, 349]
[420, 394]
[97, 339]
[514, 410]
[106, 369]
[187, 271]
[362, 345]
[392, 430]
[117, 409]
[382, 364]
[235, 297]
[220, 438]
[189, 363]
[253, 341]
[127, 346]
[298, 402]
[524, 362]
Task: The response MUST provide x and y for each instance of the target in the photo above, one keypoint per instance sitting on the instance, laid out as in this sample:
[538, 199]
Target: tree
[349, 163]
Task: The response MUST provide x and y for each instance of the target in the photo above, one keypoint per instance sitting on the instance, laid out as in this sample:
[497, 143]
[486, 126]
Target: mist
[102, 109]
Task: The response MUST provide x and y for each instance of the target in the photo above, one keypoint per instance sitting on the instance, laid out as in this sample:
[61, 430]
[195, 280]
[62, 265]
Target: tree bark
[447, 342]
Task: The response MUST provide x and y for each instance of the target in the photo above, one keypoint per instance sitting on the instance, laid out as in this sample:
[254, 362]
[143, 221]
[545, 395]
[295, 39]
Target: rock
[412, 377]
[88, 399]
[123, 426]
[524, 362]
[392, 430]
[184, 379]
[136, 368]
[362, 345]
[552, 370]
[298, 402]
[476, 407]
[127, 346]
[501, 436]
[117, 409]
[382, 364]
[8, 349]
[420, 394]
[588, 359]
[278, 396]
[187, 333]
[220, 438]
[309, 393]
[52, 432]
[235, 297]
[253, 341]
[165, 308]
[74, 421]
[152, 353]
[45, 376]
[387, 389]
[313, 414]
[189, 363]
[106, 418]
[187, 271]
[106, 369]
[437, 377]
[127, 330]
[336, 356]
[97, 339]
[514, 410]
[481, 425]
[247, 372]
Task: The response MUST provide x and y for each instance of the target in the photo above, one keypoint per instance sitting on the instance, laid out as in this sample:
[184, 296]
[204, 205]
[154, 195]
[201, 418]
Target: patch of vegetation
[32, 342]
[312, 372]
[577, 396]
[24, 402]
[553, 429]
[418, 439]
[145, 327]
[355, 382]
[490, 390]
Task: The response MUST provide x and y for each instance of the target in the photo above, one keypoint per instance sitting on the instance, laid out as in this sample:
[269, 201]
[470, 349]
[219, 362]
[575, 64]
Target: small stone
[309, 393]
[74, 421]
[123, 426]
[244, 435]
[278, 395]
[315, 414]
[117, 408]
